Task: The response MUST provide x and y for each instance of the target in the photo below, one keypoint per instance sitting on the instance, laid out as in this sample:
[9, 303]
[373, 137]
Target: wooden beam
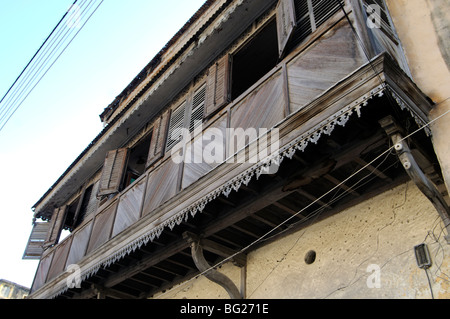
[289, 210]
[373, 169]
[205, 268]
[312, 198]
[343, 186]
[146, 262]
[250, 206]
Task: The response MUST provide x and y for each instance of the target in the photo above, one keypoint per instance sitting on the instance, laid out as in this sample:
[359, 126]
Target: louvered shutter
[198, 108]
[325, 9]
[113, 172]
[175, 127]
[158, 139]
[56, 227]
[218, 86]
[286, 23]
[35, 245]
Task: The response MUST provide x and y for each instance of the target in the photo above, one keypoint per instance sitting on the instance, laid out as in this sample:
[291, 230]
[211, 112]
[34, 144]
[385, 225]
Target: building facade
[10, 290]
[272, 149]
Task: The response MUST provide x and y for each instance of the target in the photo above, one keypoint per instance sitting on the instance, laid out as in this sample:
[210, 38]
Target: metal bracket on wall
[426, 186]
[202, 264]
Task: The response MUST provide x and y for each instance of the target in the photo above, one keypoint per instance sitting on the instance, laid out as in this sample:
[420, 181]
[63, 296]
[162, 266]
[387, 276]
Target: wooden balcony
[323, 82]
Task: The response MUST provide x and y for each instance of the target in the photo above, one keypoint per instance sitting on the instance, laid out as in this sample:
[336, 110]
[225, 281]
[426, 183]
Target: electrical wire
[429, 283]
[19, 89]
[37, 52]
[43, 56]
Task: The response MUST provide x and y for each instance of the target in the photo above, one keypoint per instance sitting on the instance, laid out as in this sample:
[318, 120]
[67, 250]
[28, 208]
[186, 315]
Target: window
[254, 60]
[83, 208]
[138, 159]
[188, 115]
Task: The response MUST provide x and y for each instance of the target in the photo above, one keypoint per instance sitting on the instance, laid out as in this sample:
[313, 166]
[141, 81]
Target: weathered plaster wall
[424, 30]
[380, 232]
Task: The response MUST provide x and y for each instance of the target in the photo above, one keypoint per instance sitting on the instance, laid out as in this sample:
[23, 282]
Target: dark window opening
[84, 206]
[254, 60]
[71, 215]
[137, 160]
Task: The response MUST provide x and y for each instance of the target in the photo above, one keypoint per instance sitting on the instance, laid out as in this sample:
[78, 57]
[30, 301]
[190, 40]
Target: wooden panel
[36, 241]
[42, 272]
[177, 121]
[204, 152]
[102, 228]
[161, 186]
[329, 60]
[129, 209]
[218, 86]
[157, 143]
[56, 226]
[59, 259]
[113, 171]
[79, 244]
[286, 23]
[263, 108]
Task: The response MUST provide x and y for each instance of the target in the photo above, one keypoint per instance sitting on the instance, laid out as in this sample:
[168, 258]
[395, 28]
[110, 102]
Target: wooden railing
[300, 78]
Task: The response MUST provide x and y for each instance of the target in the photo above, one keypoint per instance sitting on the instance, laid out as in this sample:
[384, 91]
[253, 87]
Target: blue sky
[61, 115]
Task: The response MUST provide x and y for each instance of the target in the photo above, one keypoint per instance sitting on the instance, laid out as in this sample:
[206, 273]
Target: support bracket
[426, 186]
[203, 265]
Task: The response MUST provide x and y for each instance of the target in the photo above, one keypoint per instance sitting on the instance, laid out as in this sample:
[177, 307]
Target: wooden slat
[128, 211]
[161, 186]
[79, 244]
[198, 165]
[59, 259]
[325, 63]
[263, 108]
[102, 228]
[41, 274]
[286, 23]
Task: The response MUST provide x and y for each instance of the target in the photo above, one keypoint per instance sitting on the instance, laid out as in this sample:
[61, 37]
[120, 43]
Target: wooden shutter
[286, 23]
[218, 86]
[113, 172]
[325, 9]
[198, 108]
[174, 134]
[35, 245]
[158, 138]
[56, 227]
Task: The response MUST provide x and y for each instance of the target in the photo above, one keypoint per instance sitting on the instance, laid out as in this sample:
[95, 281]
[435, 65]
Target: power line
[61, 36]
[37, 52]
